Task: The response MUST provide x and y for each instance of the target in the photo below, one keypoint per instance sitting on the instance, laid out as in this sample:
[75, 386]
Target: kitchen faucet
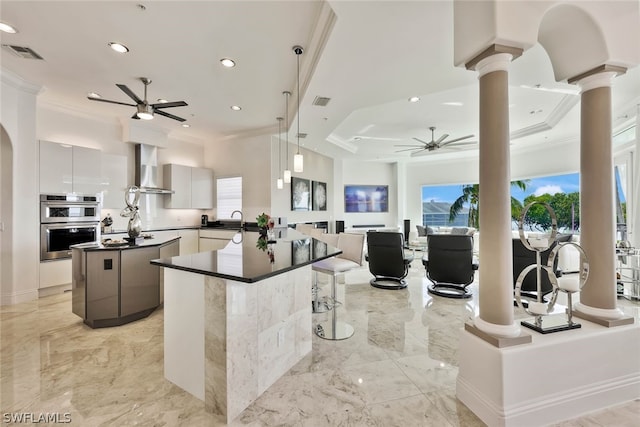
[241, 216]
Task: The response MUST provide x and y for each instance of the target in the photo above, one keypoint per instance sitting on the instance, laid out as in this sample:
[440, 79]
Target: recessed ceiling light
[229, 63]
[7, 28]
[414, 99]
[94, 95]
[454, 104]
[186, 125]
[236, 108]
[118, 47]
[162, 101]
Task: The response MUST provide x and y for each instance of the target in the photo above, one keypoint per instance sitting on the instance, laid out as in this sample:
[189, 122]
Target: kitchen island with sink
[114, 283]
[237, 318]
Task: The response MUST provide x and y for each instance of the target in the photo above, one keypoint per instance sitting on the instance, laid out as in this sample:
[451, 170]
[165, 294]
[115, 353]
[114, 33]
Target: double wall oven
[65, 220]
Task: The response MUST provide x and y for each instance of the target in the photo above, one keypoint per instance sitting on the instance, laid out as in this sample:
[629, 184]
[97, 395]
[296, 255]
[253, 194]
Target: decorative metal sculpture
[132, 199]
[539, 309]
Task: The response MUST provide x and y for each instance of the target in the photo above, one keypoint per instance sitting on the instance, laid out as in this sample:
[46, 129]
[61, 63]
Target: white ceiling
[374, 57]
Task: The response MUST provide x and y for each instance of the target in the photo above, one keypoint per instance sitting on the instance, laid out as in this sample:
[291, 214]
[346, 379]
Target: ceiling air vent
[22, 52]
[302, 135]
[321, 101]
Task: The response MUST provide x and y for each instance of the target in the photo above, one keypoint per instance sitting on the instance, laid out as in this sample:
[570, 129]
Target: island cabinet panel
[114, 285]
[139, 280]
[103, 270]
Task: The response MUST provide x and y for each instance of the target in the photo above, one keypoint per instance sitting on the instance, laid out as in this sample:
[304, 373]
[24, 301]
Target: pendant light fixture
[279, 181]
[287, 171]
[298, 160]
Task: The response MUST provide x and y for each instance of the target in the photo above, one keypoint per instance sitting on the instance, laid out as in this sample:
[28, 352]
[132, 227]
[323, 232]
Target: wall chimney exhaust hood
[146, 171]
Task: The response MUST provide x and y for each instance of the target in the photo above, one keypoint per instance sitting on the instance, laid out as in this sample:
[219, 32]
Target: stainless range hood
[146, 171]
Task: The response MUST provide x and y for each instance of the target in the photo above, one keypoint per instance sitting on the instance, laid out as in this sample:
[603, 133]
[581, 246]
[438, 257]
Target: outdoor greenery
[565, 205]
[470, 194]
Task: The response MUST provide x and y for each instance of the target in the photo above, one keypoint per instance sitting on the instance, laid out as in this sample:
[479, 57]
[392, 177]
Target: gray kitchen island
[236, 319]
[116, 284]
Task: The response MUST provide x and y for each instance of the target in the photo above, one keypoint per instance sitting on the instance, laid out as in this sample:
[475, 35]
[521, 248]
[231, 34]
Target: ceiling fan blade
[419, 140]
[128, 91]
[442, 138]
[421, 153]
[110, 102]
[407, 145]
[169, 104]
[171, 116]
[409, 149]
[455, 140]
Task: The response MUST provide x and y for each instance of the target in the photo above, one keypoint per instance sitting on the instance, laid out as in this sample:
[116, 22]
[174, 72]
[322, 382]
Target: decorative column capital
[601, 76]
[493, 50]
[497, 62]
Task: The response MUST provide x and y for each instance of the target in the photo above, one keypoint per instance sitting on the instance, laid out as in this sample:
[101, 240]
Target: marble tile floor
[398, 369]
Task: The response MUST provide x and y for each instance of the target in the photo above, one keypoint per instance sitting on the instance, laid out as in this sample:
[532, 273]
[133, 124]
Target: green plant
[263, 220]
[471, 195]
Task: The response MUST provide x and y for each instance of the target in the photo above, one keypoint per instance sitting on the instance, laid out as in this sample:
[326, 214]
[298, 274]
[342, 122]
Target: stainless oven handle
[92, 224]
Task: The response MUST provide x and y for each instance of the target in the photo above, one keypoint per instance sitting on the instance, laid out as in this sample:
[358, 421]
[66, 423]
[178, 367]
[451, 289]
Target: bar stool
[351, 258]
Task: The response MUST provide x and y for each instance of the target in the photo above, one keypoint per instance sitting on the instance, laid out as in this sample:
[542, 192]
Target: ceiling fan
[426, 147]
[145, 110]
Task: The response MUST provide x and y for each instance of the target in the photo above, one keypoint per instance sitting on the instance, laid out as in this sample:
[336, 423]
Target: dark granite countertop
[247, 258]
[145, 243]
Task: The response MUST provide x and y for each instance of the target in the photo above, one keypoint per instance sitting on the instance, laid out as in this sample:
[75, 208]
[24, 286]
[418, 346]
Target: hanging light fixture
[298, 160]
[279, 181]
[287, 171]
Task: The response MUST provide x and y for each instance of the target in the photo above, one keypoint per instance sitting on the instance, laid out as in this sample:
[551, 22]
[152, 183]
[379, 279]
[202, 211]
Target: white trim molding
[506, 331]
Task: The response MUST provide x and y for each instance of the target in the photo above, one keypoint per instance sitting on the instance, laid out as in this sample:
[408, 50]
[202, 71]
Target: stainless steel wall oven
[65, 220]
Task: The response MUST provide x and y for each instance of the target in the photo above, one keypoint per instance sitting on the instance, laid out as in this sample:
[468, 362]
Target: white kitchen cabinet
[212, 240]
[114, 180]
[55, 273]
[178, 179]
[193, 187]
[188, 242]
[56, 171]
[69, 169]
[87, 170]
[201, 188]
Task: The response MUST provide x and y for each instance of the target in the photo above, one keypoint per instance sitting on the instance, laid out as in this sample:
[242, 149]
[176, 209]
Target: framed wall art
[300, 194]
[318, 196]
[366, 198]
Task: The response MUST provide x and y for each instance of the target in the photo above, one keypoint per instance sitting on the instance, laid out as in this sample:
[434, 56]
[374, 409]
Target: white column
[634, 194]
[496, 277]
[597, 203]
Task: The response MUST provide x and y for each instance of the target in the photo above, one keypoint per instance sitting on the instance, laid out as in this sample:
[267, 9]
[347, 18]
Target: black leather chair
[450, 265]
[523, 257]
[387, 260]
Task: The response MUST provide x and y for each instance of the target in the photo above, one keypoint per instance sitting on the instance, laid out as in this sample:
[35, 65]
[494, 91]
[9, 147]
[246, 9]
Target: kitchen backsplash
[154, 215]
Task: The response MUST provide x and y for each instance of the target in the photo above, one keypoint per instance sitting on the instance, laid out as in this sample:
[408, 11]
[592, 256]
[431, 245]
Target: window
[228, 196]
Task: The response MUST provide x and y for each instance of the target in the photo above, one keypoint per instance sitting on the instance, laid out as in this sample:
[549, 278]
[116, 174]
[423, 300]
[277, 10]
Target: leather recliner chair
[387, 261]
[450, 265]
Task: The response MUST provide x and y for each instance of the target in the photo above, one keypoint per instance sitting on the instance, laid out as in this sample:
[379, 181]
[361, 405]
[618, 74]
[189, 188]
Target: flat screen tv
[366, 198]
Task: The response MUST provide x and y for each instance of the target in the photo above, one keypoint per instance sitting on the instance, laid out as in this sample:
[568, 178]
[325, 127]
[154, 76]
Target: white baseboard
[52, 290]
[558, 376]
[19, 297]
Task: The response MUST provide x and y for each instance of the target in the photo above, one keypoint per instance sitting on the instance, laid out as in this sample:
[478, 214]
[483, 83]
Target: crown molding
[564, 106]
[18, 82]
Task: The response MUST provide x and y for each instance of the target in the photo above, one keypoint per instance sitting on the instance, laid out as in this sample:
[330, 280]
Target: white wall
[250, 158]
[316, 168]
[18, 118]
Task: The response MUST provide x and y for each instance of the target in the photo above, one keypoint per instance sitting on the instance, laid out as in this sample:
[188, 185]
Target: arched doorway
[6, 216]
